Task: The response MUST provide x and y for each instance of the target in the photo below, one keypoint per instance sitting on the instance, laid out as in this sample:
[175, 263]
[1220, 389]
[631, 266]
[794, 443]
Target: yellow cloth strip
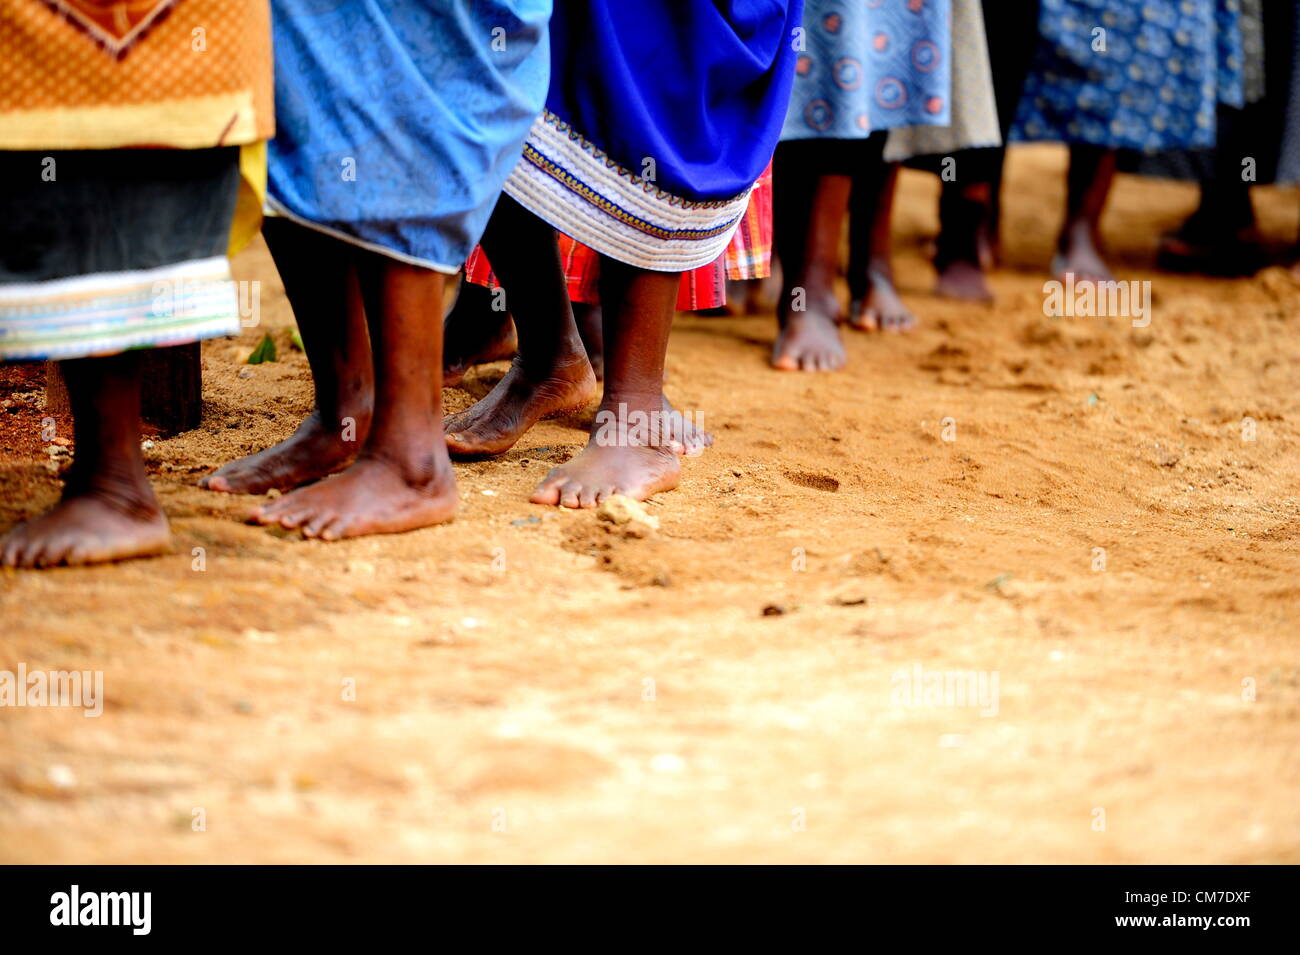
[252, 196]
[181, 123]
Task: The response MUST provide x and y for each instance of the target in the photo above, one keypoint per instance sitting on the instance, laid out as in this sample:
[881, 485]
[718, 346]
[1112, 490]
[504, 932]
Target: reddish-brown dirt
[530, 687]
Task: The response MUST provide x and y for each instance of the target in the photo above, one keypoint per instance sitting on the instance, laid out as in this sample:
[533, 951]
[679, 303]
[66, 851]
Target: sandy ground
[531, 687]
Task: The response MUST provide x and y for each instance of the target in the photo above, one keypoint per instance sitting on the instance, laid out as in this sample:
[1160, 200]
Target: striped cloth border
[108, 312]
[575, 187]
[748, 256]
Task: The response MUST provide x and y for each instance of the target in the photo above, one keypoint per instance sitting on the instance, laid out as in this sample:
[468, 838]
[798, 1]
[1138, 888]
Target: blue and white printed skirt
[1132, 74]
[871, 65]
[398, 121]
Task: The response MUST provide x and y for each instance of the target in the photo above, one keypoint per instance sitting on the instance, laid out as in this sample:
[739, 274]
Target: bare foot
[809, 340]
[470, 343]
[373, 496]
[602, 470]
[88, 528]
[761, 295]
[882, 309]
[685, 436]
[1079, 255]
[1229, 252]
[963, 281]
[493, 424]
[310, 453]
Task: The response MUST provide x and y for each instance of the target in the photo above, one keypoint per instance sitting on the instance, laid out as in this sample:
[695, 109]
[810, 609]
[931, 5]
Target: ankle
[418, 466]
[124, 489]
[567, 362]
[1078, 232]
[629, 400]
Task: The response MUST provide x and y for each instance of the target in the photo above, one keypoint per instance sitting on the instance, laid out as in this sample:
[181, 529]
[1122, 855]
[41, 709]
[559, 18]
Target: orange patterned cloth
[108, 74]
[747, 256]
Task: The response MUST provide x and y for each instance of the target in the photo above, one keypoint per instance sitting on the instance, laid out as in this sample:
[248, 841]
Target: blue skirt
[864, 66]
[398, 121]
[660, 117]
[1164, 68]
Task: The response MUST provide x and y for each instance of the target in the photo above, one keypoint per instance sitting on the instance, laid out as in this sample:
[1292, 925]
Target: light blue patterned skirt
[398, 121]
[869, 65]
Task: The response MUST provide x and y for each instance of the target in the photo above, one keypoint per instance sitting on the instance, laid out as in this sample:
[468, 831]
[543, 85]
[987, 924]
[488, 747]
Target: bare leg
[475, 331]
[638, 307]
[1220, 237]
[966, 216]
[686, 435]
[551, 374]
[320, 281]
[970, 207]
[1092, 170]
[591, 330]
[402, 478]
[874, 302]
[809, 212]
[108, 511]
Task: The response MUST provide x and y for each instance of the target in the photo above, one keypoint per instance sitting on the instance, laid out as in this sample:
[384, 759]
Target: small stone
[146, 445]
[774, 610]
[272, 494]
[245, 373]
[52, 782]
[667, 763]
[621, 511]
[62, 777]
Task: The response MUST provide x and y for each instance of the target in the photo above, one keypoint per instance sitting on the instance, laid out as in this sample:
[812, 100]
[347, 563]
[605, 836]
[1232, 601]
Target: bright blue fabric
[1166, 66]
[869, 65]
[698, 86]
[427, 101]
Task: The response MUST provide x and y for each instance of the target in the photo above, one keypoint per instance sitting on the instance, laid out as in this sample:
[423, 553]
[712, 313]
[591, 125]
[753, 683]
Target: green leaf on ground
[265, 351]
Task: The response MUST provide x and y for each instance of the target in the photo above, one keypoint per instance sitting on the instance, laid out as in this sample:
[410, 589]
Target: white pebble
[668, 763]
[62, 777]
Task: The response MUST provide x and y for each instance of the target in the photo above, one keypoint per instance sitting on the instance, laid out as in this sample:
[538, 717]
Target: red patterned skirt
[748, 256]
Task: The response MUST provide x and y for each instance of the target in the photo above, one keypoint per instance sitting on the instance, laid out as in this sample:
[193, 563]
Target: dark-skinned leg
[685, 436]
[550, 375]
[1092, 170]
[320, 282]
[638, 307]
[591, 329]
[808, 209]
[475, 331]
[964, 248]
[1220, 237]
[402, 478]
[108, 511]
[874, 302]
[970, 206]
